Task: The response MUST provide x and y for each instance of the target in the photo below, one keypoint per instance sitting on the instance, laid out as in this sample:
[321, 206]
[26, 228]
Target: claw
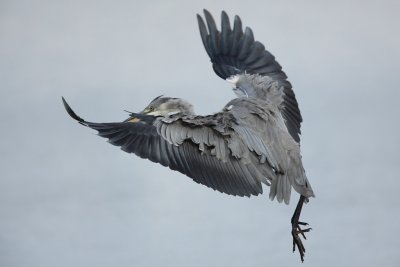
[302, 223]
[302, 231]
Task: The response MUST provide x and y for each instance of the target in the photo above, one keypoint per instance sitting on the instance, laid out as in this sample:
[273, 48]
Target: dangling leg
[296, 230]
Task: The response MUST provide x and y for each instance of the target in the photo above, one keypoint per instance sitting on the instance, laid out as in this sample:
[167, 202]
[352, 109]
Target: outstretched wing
[234, 52]
[146, 136]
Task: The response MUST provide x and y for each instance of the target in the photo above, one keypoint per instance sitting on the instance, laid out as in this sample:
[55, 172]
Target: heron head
[165, 106]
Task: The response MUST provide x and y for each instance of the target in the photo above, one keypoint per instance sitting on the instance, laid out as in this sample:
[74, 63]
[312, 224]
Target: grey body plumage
[253, 140]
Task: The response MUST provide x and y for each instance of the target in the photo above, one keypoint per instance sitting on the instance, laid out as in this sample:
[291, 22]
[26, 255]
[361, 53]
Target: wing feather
[234, 52]
[226, 34]
[237, 56]
[161, 142]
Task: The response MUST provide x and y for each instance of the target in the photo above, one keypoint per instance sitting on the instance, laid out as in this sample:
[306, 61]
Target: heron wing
[234, 52]
[182, 149]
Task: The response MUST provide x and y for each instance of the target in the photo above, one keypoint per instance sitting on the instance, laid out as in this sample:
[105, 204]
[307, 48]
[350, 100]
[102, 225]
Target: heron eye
[151, 109]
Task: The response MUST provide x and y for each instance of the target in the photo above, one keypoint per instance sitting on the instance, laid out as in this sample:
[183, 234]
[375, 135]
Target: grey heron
[253, 140]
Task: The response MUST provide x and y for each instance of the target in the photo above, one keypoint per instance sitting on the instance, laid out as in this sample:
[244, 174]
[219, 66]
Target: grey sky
[67, 198]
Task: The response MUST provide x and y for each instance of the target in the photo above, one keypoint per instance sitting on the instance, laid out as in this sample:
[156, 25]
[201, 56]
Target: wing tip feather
[72, 113]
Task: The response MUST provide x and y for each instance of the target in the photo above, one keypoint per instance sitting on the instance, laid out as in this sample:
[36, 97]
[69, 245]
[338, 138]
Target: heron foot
[297, 231]
[297, 242]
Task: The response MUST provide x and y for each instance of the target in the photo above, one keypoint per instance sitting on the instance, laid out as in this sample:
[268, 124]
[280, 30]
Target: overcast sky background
[68, 198]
